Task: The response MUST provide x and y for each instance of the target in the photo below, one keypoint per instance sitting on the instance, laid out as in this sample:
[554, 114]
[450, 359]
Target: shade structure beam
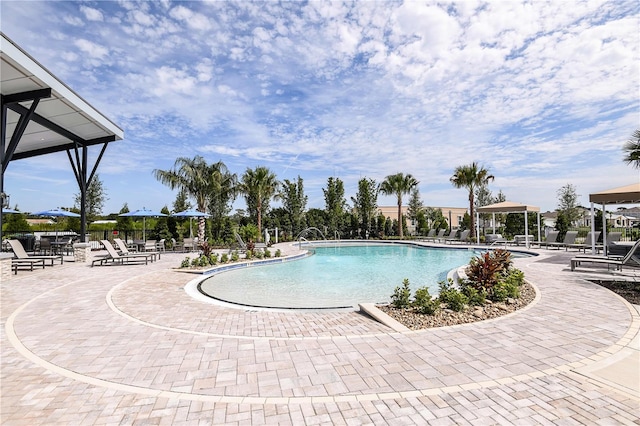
[79, 165]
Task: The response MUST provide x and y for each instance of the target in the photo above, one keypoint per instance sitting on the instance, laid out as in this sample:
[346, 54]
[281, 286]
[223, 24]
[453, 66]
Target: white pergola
[41, 115]
[629, 194]
[508, 207]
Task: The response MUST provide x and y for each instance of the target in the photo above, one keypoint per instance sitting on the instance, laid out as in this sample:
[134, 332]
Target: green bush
[267, 253]
[474, 297]
[248, 254]
[278, 253]
[514, 277]
[500, 293]
[224, 258]
[203, 261]
[195, 262]
[401, 295]
[186, 262]
[450, 296]
[213, 259]
[259, 254]
[424, 303]
[235, 256]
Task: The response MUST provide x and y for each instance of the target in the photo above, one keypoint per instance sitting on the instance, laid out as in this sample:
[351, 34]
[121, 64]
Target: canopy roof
[508, 207]
[629, 194]
[60, 118]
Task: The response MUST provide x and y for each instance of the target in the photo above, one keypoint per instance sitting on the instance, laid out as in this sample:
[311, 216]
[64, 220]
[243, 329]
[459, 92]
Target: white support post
[604, 230]
[593, 229]
[526, 229]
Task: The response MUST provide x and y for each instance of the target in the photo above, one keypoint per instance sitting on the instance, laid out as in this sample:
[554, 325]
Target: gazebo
[629, 194]
[508, 207]
[41, 115]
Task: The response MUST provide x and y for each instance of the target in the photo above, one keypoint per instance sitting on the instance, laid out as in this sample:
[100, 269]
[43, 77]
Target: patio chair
[160, 245]
[114, 257]
[569, 238]
[630, 259]
[21, 253]
[190, 244]
[150, 247]
[123, 250]
[43, 247]
[176, 246]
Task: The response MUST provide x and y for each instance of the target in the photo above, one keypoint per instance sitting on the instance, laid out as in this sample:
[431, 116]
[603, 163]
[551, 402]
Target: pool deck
[127, 345]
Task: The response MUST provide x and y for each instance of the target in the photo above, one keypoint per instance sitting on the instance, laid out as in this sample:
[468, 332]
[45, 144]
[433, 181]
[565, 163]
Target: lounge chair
[451, 236]
[569, 238]
[123, 250]
[430, 236]
[21, 253]
[586, 245]
[437, 237]
[20, 264]
[630, 259]
[243, 246]
[113, 256]
[464, 236]
[551, 239]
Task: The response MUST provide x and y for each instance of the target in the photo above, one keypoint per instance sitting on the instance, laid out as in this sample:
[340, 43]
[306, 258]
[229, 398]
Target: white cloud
[92, 14]
[92, 49]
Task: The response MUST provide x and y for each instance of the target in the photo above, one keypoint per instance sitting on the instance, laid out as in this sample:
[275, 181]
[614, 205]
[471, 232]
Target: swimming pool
[337, 276]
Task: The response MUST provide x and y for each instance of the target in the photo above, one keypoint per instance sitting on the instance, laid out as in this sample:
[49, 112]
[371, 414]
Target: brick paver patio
[128, 345]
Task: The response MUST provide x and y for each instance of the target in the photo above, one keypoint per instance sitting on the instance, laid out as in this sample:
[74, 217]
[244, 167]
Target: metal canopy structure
[629, 194]
[508, 207]
[41, 115]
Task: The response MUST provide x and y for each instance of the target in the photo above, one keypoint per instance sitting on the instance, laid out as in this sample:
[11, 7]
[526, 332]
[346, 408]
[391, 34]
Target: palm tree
[258, 186]
[398, 185]
[632, 150]
[470, 177]
[192, 175]
[224, 187]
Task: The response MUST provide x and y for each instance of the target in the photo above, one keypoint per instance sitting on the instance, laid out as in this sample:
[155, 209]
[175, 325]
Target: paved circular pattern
[134, 330]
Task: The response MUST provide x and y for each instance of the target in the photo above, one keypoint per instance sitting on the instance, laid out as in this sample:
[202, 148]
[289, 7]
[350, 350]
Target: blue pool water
[339, 276]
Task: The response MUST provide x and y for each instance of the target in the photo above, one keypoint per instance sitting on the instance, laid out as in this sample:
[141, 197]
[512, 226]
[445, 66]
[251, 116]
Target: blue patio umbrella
[190, 214]
[144, 214]
[12, 211]
[56, 213]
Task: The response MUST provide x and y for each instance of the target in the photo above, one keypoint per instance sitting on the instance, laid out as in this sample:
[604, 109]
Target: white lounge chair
[114, 257]
[124, 250]
[21, 253]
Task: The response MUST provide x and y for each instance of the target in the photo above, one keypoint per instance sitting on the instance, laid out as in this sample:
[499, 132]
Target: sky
[542, 94]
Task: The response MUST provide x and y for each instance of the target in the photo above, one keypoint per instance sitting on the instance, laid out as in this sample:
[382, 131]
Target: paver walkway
[127, 345]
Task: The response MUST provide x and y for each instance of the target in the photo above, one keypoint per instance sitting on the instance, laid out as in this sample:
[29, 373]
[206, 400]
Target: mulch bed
[629, 290]
[446, 317]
